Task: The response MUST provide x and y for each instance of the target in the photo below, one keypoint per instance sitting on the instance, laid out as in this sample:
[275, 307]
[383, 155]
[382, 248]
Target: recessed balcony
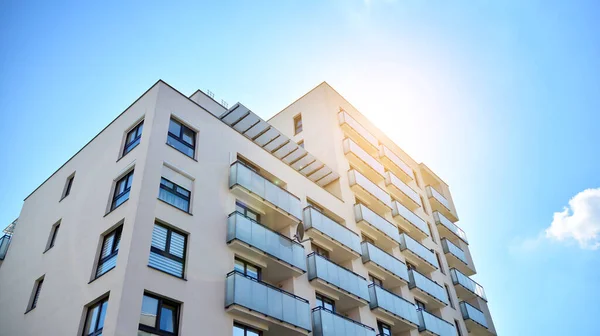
[440, 203]
[427, 290]
[363, 161]
[456, 257]
[259, 302]
[417, 254]
[260, 193]
[328, 323]
[383, 232]
[283, 257]
[371, 194]
[409, 221]
[386, 267]
[401, 191]
[466, 288]
[343, 243]
[397, 311]
[448, 229]
[395, 164]
[355, 131]
[475, 320]
[346, 287]
[432, 325]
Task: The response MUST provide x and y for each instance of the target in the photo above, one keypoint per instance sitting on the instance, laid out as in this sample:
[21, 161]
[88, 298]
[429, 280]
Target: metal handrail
[266, 285]
[340, 266]
[255, 172]
[252, 220]
[342, 316]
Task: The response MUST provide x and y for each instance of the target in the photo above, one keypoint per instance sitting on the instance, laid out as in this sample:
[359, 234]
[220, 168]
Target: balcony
[409, 221]
[255, 190]
[328, 323]
[474, 319]
[346, 287]
[440, 203]
[456, 257]
[427, 289]
[383, 232]
[448, 229]
[363, 161]
[395, 164]
[390, 270]
[262, 303]
[418, 254]
[466, 288]
[357, 132]
[430, 324]
[283, 257]
[344, 244]
[401, 191]
[376, 198]
[391, 307]
[4, 244]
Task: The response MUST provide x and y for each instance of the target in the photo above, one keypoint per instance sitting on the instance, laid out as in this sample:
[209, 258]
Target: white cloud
[580, 221]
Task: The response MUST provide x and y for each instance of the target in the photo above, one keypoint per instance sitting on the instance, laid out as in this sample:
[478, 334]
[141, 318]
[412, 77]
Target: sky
[508, 93]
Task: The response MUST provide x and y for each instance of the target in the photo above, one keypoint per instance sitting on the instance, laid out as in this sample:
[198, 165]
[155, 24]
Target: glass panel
[384, 260]
[119, 200]
[252, 271]
[167, 318]
[239, 266]
[188, 136]
[149, 310]
[159, 237]
[427, 285]
[106, 266]
[165, 264]
[326, 270]
[177, 244]
[91, 320]
[407, 242]
[363, 213]
[107, 246]
[400, 210]
[102, 315]
[237, 331]
[180, 146]
[332, 229]
[174, 127]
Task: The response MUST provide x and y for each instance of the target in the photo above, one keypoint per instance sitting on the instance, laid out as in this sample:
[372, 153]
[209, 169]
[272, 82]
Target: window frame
[179, 137]
[324, 299]
[247, 210]
[457, 327]
[127, 189]
[451, 301]
[176, 193]
[375, 280]
[68, 186]
[245, 272]
[318, 250]
[166, 253]
[130, 145]
[439, 259]
[89, 309]
[53, 234]
[298, 124]
[246, 328]
[118, 232]
[381, 326]
[420, 305]
[156, 330]
[35, 295]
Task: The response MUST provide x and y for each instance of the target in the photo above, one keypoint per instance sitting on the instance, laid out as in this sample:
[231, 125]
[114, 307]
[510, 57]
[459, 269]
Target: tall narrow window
[424, 204]
[449, 296]
[167, 252]
[458, 332]
[174, 194]
[133, 138]
[242, 330]
[109, 252]
[122, 189]
[247, 269]
[384, 329]
[68, 185]
[297, 124]
[246, 211]
[159, 316]
[439, 260]
[420, 305]
[325, 302]
[320, 251]
[431, 233]
[94, 320]
[53, 234]
[37, 289]
[181, 138]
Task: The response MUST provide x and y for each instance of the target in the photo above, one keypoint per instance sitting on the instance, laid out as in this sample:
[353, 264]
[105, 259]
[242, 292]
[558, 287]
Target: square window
[174, 194]
[122, 189]
[181, 138]
[159, 316]
[167, 252]
[133, 138]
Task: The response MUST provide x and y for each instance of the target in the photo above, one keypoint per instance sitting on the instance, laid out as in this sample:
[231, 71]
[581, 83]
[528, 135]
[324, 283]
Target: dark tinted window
[133, 138]
[181, 138]
[174, 194]
[109, 251]
[167, 252]
[122, 189]
[94, 321]
[159, 316]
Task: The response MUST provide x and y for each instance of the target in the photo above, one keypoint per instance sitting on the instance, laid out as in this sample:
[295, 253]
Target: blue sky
[509, 91]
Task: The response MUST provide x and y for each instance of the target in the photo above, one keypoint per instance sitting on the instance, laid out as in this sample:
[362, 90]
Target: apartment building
[186, 217]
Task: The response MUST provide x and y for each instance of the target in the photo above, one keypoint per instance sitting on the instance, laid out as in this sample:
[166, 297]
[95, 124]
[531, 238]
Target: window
[109, 252]
[242, 330]
[301, 143]
[437, 255]
[53, 234]
[158, 317]
[431, 233]
[375, 280]
[367, 239]
[68, 186]
[94, 320]
[315, 206]
[449, 296]
[325, 302]
[458, 332]
[384, 329]
[244, 210]
[247, 269]
[320, 251]
[297, 124]
[423, 203]
[133, 138]
[167, 252]
[175, 195]
[37, 289]
[181, 138]
[122, 189]
[420, 305]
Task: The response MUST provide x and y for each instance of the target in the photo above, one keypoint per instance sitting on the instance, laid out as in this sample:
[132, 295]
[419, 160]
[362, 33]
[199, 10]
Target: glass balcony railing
[371, 188]
[460, 279]
[345, 119]
[362, 213]
[384, 260]
[4, 244]
[471, 313]
[351, 147]
[418, 280]
[260, 237]
[396, 305]
[266, 299]
[456, 251]
[317, 220]
[441, 220]
[431, 192]
[336, 275]
[328, 323]
[240, 175]
[386, 153]
[391, 179]
[406, 242]
[433, 324]
[400, 210]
